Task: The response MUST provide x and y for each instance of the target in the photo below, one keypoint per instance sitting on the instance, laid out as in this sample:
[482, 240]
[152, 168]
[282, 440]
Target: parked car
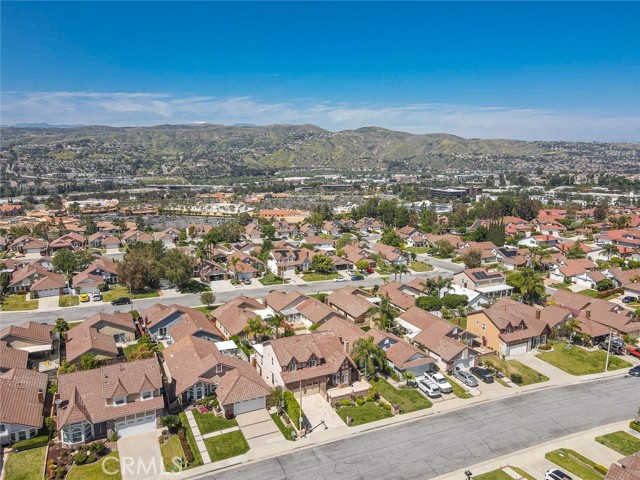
[357, 277]
[84, 297]
[430, 388]
[370, 270]
[351, 272]
[246, 281]
[556, 474]
[635, 371]
[633, 351]
[96, 297]
[442, 382]
[482, 373]
[339, 279]
[121, 301]
[466, 378]
[629, 299]
[617, 346]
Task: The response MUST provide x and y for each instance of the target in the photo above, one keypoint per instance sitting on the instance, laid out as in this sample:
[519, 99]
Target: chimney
[587, 313]
[40, 396]
[538, 312]
[346, 347]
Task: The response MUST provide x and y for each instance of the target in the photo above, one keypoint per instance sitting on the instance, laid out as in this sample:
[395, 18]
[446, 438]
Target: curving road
[436, 445]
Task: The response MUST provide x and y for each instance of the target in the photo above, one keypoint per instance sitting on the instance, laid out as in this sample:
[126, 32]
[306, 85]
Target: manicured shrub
[386, 406]
[90, 459]
[80, 458]
[98, 448]
[292, 407]
[635, 425]
[345, 402]
[360, 401]
[516, 378]
[601, 469]
[34, 442]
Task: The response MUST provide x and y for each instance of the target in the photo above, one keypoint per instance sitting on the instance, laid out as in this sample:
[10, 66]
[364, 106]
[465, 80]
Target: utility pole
[300, 419]
[606, 365]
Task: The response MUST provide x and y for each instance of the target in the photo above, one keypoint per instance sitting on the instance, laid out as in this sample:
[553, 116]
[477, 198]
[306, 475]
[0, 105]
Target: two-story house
[491, 284]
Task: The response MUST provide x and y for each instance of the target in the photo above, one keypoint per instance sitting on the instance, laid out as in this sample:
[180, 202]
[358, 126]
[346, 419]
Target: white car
[339, 279]
[442, 382]
[96, 297]
[430, 388]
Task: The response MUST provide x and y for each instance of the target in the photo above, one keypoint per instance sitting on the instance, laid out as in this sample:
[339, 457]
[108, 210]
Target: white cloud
[119, 109]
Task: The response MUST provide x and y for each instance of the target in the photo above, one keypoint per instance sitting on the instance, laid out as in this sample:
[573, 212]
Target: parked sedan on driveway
[466, 378]
[430, 388]
[629, 299]
[635, 371]
[482, 373]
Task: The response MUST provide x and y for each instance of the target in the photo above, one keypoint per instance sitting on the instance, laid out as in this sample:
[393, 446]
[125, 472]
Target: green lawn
[191, 440]
[458, 390]
[208, 422]
[170, 450]
[319, 296]
[493, 475]
[226, 446]
[420, 267]
[562, 458]
[521, 472]
[286, 432]
[407, 400]
[68, 301]
[26, 465]
[622, 442]
[369, 412]
[578, 361]
[73, 324]
[589, 293]
[118, 291]
[319, 277]
[94, 470]
[417, 250]
[18, 302]
[271, 279]
[508, 367]
[206, 310]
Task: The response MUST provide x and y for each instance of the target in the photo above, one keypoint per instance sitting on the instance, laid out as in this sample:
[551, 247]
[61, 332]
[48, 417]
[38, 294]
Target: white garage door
[136, 424]
[463, 363]
[249, 406]
[519, 349]
[48, 292]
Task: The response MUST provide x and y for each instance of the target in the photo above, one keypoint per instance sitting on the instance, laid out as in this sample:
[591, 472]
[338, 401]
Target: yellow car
[84, 297]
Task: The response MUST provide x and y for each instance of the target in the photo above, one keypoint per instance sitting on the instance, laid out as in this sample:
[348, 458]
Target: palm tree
[387, 314]
[255, 327]
[234, 265]
[570, 327]
[402, 268]
[610, 249]
[529, 284]
[275, 323]
[366, 353]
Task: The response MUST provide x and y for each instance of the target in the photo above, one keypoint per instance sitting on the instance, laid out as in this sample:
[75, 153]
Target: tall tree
[64, 261]
[529, 283]
[177, 267]
[472, 259]
[367, 354]
[255, 327]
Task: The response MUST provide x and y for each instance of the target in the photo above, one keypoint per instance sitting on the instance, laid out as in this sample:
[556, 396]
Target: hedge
[613, 291]
[292, 407]
[35, 442]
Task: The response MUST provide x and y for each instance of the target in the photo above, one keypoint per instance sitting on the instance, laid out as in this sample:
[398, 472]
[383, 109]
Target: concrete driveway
[317, 409]
[140, 456]
[48, 303]
[259, 428]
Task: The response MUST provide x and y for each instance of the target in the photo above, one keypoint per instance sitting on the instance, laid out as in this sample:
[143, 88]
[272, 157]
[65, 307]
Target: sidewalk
[206, 459]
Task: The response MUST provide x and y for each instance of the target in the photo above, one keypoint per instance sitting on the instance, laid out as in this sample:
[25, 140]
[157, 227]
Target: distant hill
[45, 125]
[205, 150]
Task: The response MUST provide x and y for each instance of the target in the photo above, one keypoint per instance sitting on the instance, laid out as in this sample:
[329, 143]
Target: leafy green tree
[61, 327]
[66, 367]
[171, 422]
[367, 354]
[574, 251]
[344, 240]
[529, 284]
[444, 248]
[605, 284]
[90, 225]
[453, 301]
[362, 265]
[269, 231]
[390, 237]
[322, 264]
[610, 249]
[140, 268]
[472, 259]
[208, 298]
[316, 219]
[255, 327]
[141, 351]
[89, 361]
[430, 304]
[64, 261]
[177, 267]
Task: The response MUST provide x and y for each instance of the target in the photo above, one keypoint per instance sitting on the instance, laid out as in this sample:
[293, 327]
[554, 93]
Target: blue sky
[495, 70]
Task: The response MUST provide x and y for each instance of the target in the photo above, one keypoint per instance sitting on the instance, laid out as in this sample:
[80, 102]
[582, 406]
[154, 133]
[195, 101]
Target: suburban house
[252, 232]
[390, 255]
[102, 335]
[168, 237]
[298, 308]
[27, 245]
[627, 468]
[568, 270]
[308, 230]
[22, 395]
[37, 279]
[124, 398]
[209, 271]
[132, 236]
[195, 368]
[450, 345]
[159, 321]
[70, 241]
[487, 250]
[314, 363]
[197, 231]
[232, 317]
[282, 260]
[353, 303]
[513, 259]
[85, 282]
[629, 279]
[400, 295]
[11, 358]
[509, 327]
[105, 268]
[105, 241]
[491, 284]
[37, 339]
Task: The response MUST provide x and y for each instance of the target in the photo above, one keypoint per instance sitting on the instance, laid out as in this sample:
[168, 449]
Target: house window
[345, 376]
[2, 428]
[219, 368]
[22, 435]
[312, 362]
[293, 367]
[120, 401]
[336, 378]
[484, 326]
[120, 338]
[146, 395]
[162, 331]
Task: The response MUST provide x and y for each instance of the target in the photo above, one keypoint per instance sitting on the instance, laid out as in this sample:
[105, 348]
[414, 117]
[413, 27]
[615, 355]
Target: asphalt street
[439, 444]
[82, 312]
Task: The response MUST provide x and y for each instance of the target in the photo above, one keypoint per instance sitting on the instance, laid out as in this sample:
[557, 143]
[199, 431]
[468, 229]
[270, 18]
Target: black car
[357, 277]
[635, 371]
[482, 373]
[629, 299]
[121, 301]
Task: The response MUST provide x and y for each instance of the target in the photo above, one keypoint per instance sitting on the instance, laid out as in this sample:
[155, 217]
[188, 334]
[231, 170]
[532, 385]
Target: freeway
[439, 444]
[84, 311]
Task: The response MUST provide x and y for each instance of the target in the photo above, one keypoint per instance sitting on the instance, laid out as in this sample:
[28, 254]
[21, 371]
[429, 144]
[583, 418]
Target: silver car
[430, 388]
[466, 378]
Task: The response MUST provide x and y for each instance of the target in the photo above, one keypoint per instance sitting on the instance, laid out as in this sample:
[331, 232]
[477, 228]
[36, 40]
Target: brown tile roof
[52, 280]
[404, 356]
[12, 357]
[31, 331]
[103, 264]
[345, 330]
[33, 270]
[84, 279]
[19, 403]
[348, 300]
[316, 311]
[192, 322]
[396, 296]
[85, 392]
[234, 314]
[574, 301]
[279, 301]
[627, 468]
[86, 337]
[591, 328]
[241, 384]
